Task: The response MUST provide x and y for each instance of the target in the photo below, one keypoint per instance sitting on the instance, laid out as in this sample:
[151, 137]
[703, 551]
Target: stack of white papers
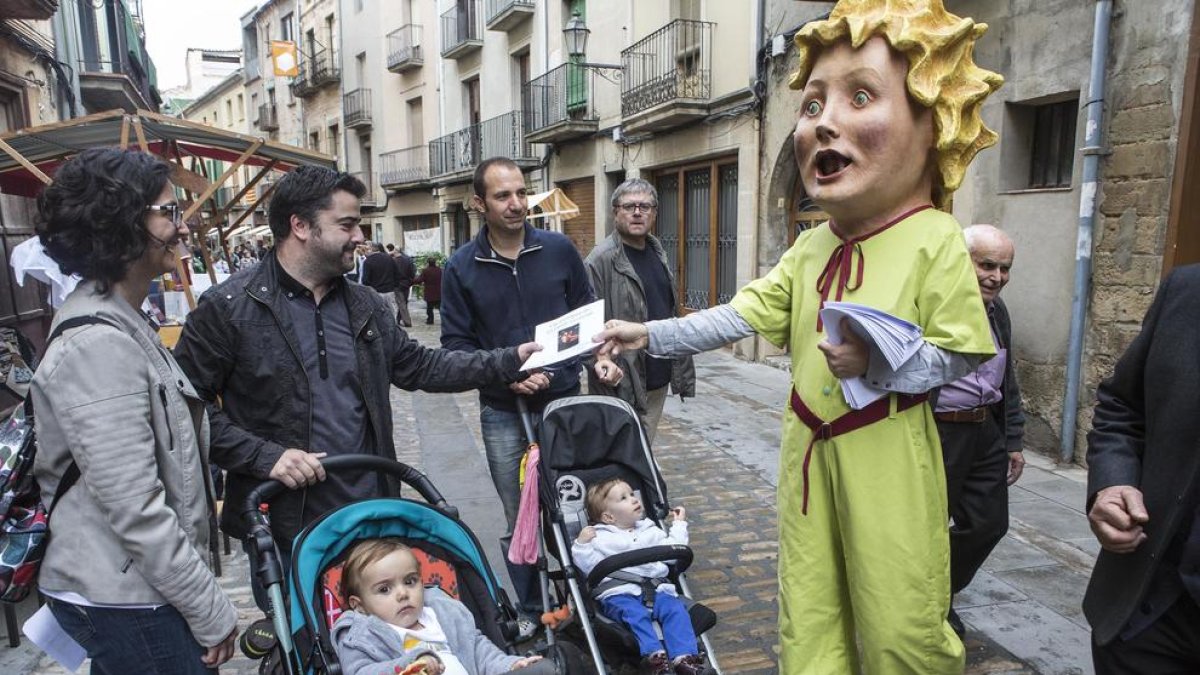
[893, 338]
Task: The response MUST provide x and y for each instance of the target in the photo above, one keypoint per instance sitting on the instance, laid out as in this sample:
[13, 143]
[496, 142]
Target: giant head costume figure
[891, 105]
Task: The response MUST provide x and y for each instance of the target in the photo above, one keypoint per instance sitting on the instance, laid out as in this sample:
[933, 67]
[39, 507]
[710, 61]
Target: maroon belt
[855, 419]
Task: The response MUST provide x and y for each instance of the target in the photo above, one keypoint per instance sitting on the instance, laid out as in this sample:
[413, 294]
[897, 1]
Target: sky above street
[173, 26]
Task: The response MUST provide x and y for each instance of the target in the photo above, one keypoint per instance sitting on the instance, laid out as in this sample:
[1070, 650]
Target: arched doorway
[803, 212]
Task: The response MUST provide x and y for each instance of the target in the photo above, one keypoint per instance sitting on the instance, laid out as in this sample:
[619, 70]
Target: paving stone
[1011, 554]
[1054, 586]
[1036, 635]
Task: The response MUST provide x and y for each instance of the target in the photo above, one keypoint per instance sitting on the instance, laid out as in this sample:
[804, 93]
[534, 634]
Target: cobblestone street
[718, 453]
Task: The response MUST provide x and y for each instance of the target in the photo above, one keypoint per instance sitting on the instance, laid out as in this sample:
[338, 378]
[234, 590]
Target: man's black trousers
[977, 493]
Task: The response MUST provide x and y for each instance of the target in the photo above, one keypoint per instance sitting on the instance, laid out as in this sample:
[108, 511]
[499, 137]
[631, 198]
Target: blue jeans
[504, 441]
[132, 641]
[669, 612]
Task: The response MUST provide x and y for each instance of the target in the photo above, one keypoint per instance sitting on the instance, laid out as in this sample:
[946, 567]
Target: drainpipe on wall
[1087, 216]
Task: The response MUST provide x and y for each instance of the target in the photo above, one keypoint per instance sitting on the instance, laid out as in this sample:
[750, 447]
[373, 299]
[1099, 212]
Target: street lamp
[575, 35]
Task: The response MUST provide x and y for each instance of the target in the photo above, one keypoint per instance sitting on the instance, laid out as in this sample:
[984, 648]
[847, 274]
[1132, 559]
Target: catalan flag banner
[283, 58]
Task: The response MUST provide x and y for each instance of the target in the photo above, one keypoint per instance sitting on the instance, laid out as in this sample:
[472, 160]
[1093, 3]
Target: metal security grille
[727, 234]
[667, 227]
[697, 219]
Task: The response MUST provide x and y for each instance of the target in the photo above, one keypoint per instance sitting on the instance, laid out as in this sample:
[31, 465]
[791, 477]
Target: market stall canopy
[46, 147]
[552, 203]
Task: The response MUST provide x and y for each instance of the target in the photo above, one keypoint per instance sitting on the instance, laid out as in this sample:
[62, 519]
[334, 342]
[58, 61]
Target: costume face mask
[942, 75]
[861, 144]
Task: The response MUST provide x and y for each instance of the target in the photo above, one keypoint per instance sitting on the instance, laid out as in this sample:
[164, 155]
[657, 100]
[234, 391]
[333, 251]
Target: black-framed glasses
[171, 211]
[632, 207]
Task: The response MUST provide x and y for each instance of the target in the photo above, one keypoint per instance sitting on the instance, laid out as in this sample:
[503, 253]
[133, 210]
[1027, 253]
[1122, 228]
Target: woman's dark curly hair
[92, 218]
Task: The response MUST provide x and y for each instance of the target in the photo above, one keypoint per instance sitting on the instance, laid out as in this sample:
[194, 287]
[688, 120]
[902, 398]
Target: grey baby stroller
[585, 440]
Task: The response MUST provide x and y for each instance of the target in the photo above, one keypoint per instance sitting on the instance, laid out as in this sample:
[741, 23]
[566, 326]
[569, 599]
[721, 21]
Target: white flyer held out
[567, 336]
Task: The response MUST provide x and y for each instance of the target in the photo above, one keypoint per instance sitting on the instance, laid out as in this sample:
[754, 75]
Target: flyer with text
[567, 336]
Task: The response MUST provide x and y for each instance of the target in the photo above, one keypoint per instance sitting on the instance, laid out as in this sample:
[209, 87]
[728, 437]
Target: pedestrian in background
[379, 273]
[629, 271]
[1143, 600]
[406, 272]
[981, 425]
[430, 280]
[126, 571]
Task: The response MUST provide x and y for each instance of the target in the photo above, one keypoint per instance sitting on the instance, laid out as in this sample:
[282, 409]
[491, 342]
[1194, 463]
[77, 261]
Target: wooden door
[582, 228]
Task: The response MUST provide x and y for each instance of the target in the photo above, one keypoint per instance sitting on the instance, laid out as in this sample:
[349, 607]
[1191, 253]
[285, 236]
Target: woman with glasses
[125, 573]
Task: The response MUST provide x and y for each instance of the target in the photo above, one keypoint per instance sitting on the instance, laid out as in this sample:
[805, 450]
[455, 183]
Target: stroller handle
[682, 555]
[270, 489]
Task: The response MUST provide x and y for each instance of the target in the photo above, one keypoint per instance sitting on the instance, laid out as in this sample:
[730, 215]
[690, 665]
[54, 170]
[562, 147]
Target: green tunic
[871, 557]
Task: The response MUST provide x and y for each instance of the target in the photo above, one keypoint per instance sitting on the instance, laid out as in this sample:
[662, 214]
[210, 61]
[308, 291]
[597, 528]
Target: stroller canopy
[323, 541]
[585, 432]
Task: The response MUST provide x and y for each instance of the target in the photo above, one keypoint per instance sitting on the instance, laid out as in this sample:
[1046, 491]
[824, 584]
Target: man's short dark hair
[92, 218]
[391, 247]
[481, 170]
[304, 191]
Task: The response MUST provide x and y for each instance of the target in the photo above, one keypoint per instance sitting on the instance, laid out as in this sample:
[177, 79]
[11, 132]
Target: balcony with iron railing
[268, 117]
[371, 198]
[356, 107]
[452, 158]
[507, 14]
[404, 48]
[405, 169]
[316, 71]
[561, 105]
[462, 31]
[115, 70]
[667, 76]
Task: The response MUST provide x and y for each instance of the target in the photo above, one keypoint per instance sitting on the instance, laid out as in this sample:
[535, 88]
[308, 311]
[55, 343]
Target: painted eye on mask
[812, 108]
[861, 98]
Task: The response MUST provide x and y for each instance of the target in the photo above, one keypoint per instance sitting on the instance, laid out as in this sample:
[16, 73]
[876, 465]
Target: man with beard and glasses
[302, 361]
[889, 120]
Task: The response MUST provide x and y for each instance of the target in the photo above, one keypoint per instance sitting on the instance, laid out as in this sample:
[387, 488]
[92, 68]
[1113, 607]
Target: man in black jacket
[981, 425]
[1143, 601]
[379, 272]
[303, 361]
[406, 272]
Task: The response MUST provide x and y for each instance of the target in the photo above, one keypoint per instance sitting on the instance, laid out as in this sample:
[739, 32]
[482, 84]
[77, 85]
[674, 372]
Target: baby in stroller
[400, 626]
[619, 524]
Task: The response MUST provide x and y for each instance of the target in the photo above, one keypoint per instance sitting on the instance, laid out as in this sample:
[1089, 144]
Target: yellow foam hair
[942, 74]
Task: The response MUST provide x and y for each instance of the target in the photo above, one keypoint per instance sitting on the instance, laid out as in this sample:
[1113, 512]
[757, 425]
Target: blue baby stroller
[451, 558]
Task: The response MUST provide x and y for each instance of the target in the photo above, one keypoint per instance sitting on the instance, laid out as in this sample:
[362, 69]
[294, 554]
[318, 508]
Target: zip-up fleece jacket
[488, 303]
[611, 540]
[134, 528]
[367, 645]
[239, 344]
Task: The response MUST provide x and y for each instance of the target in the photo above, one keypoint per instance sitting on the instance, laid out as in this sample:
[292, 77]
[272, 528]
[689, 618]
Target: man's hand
[530, 385]
[608, 372]
[1016, 464]
[586, 535]
[298, 468]
[525, 662]
[220, 653]
[848, 359]
[679, 513]
[619, 336]
[526, 350]
[1116, 518]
